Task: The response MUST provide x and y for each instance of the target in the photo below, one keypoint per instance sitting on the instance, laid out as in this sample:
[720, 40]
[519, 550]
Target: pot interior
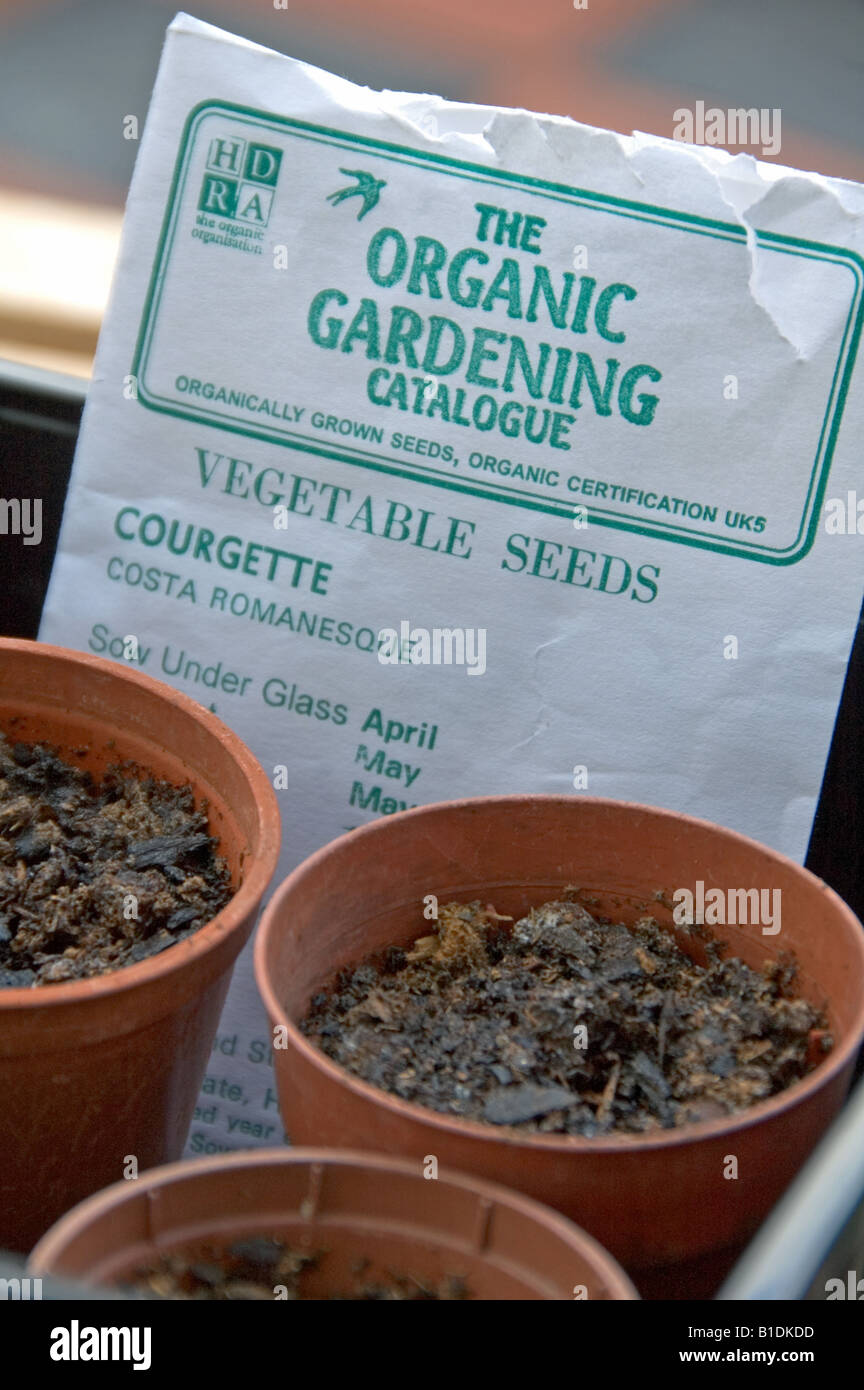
[367, 890]
[347, 1211]
[95, 718]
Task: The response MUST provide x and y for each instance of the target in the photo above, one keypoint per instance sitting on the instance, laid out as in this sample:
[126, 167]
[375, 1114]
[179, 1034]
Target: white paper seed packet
[448, 450]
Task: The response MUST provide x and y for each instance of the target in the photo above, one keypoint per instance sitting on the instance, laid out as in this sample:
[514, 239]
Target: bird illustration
[367, 187]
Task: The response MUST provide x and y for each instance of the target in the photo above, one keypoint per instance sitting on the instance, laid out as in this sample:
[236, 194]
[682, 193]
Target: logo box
[240, 178]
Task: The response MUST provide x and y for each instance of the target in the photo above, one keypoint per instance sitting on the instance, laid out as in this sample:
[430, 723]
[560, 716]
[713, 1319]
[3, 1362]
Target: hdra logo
[240, 181]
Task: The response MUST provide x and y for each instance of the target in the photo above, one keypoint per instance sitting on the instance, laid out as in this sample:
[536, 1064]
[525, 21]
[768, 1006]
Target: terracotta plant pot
[353, 1206]
[660, 1204]
[98, 1070]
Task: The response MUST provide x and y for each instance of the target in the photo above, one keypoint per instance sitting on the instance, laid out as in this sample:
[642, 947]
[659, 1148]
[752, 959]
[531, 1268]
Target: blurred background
[72, 70]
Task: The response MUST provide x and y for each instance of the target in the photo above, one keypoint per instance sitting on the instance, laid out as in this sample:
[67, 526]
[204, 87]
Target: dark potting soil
[94, 876]
[264, 1268]
[568, 1024]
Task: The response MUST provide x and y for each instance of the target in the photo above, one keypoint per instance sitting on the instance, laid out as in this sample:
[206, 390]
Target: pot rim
[74, 1222]
[841, 1057]
[252, 886]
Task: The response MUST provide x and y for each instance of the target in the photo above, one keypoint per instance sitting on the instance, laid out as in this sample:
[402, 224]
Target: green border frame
[479, 173]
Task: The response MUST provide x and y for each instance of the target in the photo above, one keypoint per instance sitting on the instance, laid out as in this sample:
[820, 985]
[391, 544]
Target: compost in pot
[94, 876]
[564, 1023]
[268, 1268]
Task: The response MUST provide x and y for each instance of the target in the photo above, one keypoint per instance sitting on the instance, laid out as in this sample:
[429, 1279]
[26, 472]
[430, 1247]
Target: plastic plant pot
[98, 1071]
[659, 1202]
[347, 1207]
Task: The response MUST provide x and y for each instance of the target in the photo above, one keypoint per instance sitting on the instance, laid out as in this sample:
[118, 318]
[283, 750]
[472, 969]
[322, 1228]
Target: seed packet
[445, 450]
